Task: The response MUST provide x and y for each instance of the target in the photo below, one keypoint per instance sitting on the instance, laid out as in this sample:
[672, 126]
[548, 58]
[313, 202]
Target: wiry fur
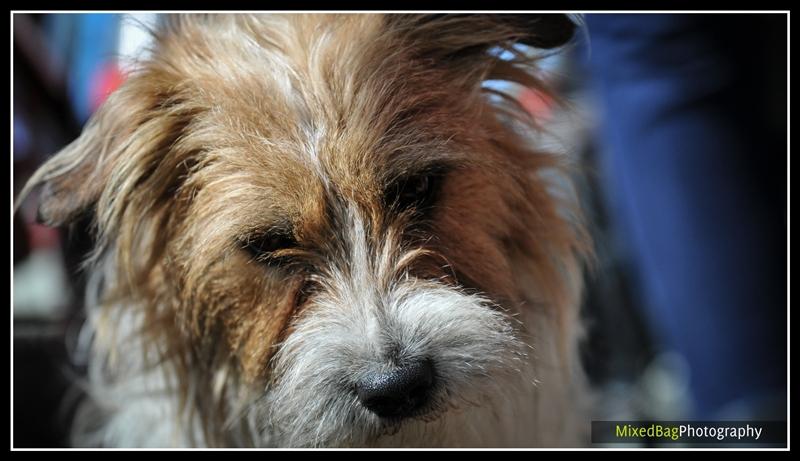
[240, 125]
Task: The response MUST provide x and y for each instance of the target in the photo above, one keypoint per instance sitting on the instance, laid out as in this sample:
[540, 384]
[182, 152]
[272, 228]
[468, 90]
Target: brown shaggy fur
[242, 125]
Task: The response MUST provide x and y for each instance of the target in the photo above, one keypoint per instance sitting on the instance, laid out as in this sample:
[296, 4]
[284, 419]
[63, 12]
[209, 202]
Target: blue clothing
[694, 153]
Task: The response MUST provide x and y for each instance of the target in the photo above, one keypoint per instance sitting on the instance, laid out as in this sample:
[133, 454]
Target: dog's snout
[400, 392]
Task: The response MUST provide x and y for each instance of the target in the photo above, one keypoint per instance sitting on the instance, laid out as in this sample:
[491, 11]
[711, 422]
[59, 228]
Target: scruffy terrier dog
[325, 230]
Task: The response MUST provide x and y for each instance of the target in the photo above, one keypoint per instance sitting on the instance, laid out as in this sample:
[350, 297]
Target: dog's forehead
[305, 175]
[293, 113]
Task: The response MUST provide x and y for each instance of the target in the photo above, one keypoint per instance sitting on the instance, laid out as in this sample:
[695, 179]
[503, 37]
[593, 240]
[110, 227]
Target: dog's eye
[418, 191]
[263, 246]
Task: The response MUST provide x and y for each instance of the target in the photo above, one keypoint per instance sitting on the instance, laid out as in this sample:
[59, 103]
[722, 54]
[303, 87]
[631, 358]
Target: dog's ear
[117, 149]
[541, 30]
[448, 36]
[71, 180]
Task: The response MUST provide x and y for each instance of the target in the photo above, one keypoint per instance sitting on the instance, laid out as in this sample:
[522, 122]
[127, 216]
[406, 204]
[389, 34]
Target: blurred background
[679, 123]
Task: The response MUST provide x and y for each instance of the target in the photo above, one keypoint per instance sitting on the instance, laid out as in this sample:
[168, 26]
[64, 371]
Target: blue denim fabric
[694, 157]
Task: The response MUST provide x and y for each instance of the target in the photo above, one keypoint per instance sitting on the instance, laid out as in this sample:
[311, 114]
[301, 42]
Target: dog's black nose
[398, 393]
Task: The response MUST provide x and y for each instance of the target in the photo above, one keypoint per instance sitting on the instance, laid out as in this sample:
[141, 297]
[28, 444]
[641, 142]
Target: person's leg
[697, 184]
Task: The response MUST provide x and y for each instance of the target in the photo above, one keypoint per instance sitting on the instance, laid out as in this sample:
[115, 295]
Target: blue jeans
[693, 148]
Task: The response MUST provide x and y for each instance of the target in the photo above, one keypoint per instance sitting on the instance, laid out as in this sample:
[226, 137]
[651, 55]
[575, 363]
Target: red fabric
[537, 104]
[105, 81]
